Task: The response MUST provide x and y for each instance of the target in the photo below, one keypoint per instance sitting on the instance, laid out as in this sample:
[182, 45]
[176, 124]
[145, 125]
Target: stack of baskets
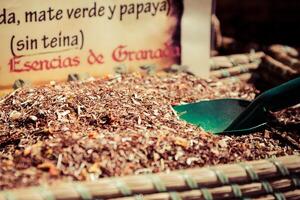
[279, 64]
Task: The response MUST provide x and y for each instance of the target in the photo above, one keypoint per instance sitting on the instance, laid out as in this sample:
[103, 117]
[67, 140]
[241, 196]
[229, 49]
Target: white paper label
[44, 40]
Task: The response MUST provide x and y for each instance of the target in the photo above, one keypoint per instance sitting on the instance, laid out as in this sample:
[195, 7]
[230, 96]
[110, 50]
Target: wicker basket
[264, 179]
[276, 178]
[235, 67]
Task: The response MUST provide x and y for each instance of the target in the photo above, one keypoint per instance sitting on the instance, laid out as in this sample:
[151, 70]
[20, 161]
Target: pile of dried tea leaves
[124, 125]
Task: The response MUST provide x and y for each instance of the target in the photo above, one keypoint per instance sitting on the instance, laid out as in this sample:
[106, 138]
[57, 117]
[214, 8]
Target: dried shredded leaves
[123, 125]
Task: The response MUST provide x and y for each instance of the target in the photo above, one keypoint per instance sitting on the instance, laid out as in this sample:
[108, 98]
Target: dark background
[261, 21]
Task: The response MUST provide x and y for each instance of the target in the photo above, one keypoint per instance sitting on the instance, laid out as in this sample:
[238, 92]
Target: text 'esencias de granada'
[120, 54]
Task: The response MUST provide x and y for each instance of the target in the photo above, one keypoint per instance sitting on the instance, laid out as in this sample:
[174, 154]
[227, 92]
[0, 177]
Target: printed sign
[44, 40]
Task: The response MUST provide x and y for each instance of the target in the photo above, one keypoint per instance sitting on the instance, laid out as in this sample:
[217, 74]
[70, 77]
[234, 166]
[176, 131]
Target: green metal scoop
[238, 116]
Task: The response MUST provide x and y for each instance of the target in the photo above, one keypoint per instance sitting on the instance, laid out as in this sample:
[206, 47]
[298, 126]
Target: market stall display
[87, 101]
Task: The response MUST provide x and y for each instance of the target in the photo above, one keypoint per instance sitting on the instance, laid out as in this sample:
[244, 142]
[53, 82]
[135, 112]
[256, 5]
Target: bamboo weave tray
[263, 179]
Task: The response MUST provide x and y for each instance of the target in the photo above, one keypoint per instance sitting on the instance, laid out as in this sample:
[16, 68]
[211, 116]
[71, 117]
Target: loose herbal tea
[124, 125]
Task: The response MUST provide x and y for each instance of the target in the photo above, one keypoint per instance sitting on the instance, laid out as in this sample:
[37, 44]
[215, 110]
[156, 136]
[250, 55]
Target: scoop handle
[280, 97]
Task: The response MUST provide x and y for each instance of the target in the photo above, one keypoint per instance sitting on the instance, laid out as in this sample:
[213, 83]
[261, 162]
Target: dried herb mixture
[124, 125]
